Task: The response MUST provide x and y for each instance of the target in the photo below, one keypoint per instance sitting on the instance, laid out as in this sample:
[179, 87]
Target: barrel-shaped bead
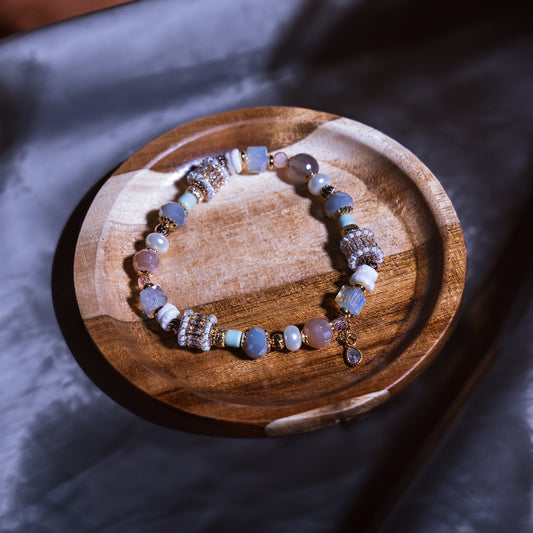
[338, 201]
[147, 261]
[157, 241]
[255, 343]
[174, 212]
[366, 276]
[188, 200]
[151, 299]
[233, 338]
[318, 332]
[256, 159]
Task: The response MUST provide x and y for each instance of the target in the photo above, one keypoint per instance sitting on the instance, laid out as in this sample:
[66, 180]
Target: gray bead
[256, 343]
[338, 201]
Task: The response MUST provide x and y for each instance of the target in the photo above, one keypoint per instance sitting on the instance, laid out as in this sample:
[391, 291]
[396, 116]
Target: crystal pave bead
[351, 299]
[211, 174]
[359, 247]
[151, 299]
[195, 330]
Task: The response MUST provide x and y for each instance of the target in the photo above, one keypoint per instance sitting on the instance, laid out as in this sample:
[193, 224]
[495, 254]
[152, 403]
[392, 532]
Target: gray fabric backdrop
[453, 84]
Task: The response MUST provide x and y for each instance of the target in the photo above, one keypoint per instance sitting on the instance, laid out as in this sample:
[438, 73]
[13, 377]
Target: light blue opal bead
[346, 220]
[351, 298]
[233, 338]
[151, 299]
[175, 212]
[255, 343]
[337, 201]
[256, 159]
[188, 200]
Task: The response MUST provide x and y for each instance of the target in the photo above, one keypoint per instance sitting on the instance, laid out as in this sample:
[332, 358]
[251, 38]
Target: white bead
[236, 161]
[292, 338]
[317, 182]
[157, 241]
[366, 276]
[229, 164]
[166, 314]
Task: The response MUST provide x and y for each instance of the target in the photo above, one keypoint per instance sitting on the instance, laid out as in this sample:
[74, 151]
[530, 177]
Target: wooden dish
[263, 253]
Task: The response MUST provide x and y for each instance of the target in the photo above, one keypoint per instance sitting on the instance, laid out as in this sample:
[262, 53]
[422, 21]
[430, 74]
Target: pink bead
[147, 261]
[319, 332]
[143, 280]
[280, 160]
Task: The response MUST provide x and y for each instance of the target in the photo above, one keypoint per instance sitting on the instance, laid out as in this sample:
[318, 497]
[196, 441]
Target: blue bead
[255, 343]
[346, 220]
[151, 299]
[233, 338]
[175, 212]
[188, 200]
[337, 201]
[351, 298]
[256, 159]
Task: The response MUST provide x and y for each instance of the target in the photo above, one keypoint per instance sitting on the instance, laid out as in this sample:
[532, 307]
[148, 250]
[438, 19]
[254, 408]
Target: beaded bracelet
[201, 331]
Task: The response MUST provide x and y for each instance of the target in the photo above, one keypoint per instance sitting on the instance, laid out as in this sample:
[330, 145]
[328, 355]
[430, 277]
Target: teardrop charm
[352, 356]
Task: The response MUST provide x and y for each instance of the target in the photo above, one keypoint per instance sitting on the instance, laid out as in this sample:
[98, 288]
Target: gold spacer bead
[269, 342]
[244, 333]
[277, 341]
[305, 340]
[198, 191]
[347, 209]
[344, 312]
[218, 337]
[168, 223]
[244, 157]
[362, 288]
[270, 164]
[327, 191]
[349, 229]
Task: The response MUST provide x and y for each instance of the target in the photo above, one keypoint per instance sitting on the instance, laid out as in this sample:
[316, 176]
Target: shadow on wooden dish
[264, 254]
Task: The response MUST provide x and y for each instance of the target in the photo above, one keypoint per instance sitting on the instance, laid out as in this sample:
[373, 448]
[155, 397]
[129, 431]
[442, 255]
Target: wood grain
[263, 253]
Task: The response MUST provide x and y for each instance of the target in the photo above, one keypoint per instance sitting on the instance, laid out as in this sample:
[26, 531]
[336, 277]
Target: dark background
[452, 83]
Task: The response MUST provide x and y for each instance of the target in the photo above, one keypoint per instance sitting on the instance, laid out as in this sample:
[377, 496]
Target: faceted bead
[350, 298]
[302, 167]
[318, 332]
[255, 343]
[233, 338]
[338, 201]
[143, 280]
[174, 212]
[352, 356]
[158, 242]
[340, 324]
[317, 182]
[280, 160]
[366, 276]
[166, 314]
[256, 159]
[151, 300]
[292, 337]
[147, 261]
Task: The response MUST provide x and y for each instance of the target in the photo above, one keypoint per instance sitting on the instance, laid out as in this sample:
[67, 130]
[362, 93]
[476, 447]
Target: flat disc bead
[337, 201]
[157, 241]
[301, 167]
[147, 261]
[318, 332]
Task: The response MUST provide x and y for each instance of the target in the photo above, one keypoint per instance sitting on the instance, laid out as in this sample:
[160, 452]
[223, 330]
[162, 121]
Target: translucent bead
[157, 241]
[151, 300]
[256, 159]
[366, 276]
[351, 299]
[280, 160]
[255, 343]
[188, 200]
[174, 212]
[147, 261]
[302, 167]
[292, 337]
[337, 201]
[317, 182]
[233, 338]
[143, 280]
[166, 314]
[318, 332]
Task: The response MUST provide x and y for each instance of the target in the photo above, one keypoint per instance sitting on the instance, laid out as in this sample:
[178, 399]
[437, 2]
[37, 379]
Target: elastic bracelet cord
[200, 331]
